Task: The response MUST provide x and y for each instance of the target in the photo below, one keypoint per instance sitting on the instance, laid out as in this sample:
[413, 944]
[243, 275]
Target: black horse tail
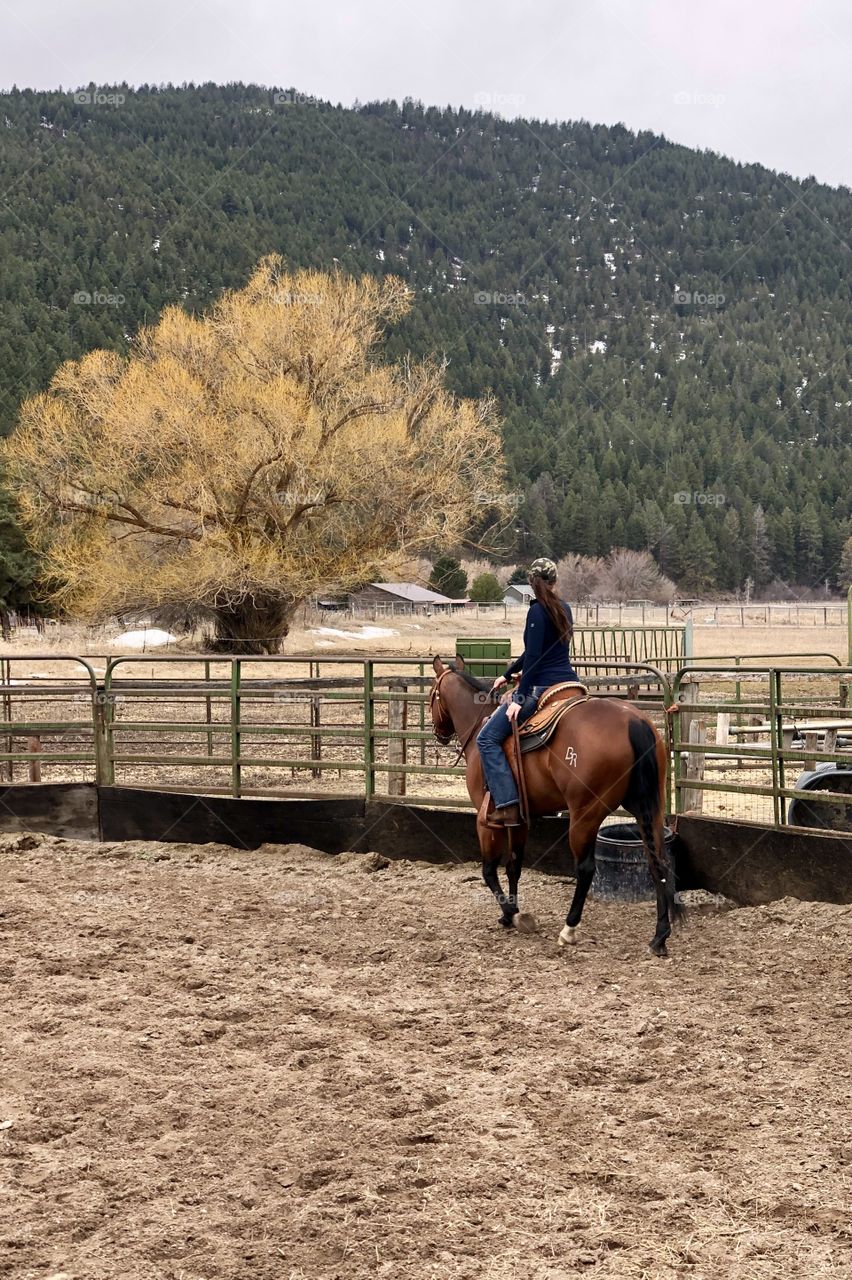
[643, 800]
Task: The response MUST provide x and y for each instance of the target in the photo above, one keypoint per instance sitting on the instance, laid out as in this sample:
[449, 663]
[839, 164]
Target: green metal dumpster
[489, 656]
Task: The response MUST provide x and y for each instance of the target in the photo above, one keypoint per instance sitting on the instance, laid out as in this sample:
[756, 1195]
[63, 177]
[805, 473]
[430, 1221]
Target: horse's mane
[475, 682]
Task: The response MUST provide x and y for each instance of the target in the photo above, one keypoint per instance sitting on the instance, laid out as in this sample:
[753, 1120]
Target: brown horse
[604, 754]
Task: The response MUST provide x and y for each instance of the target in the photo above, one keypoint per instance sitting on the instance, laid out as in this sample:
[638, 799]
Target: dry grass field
[413, 637]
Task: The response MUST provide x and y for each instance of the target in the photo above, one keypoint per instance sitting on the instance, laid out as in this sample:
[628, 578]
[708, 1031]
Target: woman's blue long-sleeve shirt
[544, 660]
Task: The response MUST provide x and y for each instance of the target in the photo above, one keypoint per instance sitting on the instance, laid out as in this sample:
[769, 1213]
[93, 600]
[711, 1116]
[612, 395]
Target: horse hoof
[660, 950]
[568, 936]
[526, 923]
[508, 922]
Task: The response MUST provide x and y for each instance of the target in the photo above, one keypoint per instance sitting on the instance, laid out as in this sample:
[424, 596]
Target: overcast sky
[762, 80]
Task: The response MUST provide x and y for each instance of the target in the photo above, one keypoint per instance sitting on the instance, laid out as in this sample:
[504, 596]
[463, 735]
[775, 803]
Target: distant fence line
[831, 614]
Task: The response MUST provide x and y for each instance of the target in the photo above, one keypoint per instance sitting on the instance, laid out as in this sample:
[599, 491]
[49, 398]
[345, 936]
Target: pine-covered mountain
[666, 331]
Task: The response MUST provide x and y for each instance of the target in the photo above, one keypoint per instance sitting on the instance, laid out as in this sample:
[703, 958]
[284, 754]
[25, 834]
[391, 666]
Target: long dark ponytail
[545, 594]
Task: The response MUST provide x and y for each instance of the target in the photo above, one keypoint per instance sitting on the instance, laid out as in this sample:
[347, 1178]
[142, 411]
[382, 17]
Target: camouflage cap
[542, 568]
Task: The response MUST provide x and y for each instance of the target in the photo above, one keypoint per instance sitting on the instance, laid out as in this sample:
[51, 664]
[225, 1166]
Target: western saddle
[553, 704]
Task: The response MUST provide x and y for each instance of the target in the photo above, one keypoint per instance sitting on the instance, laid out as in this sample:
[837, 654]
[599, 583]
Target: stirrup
[508, 815]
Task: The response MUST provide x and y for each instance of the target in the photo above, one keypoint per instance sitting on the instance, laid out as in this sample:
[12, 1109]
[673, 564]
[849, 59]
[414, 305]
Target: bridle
[435, 696]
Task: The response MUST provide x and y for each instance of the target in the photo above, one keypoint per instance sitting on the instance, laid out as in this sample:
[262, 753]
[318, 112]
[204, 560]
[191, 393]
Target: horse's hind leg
[582, 835]
[653, 838]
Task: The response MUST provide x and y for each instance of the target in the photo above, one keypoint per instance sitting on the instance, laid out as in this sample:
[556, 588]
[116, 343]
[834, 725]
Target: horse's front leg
[517, 837]
[491, 848]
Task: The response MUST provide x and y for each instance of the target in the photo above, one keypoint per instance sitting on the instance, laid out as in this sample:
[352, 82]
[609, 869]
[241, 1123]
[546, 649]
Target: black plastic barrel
[622, 872]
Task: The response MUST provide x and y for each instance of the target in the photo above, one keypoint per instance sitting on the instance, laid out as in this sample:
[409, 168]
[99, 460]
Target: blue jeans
[499, 778]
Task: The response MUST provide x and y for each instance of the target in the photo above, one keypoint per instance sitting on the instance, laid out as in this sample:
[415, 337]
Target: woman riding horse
[544, 662]
[602, 755]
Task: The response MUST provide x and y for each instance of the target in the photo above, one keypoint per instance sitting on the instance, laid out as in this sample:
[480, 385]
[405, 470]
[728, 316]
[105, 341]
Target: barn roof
[412, 592]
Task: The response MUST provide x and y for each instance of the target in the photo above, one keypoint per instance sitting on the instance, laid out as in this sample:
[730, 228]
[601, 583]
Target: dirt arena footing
[747, 862]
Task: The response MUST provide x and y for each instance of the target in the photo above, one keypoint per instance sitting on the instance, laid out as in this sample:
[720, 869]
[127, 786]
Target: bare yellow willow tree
[234, 464]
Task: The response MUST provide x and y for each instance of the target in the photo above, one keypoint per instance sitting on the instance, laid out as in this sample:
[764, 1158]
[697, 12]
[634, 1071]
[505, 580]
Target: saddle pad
[541, 726]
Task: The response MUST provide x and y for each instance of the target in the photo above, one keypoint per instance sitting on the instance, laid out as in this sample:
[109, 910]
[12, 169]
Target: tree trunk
[254, 626]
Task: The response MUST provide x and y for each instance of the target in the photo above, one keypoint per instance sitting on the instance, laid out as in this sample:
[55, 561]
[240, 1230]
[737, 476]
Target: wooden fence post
[316, 738]
[34, 747]
[693, 798]
[104, 775]
[811, 745]
[7, 715]
[397, 724]
[687, 697]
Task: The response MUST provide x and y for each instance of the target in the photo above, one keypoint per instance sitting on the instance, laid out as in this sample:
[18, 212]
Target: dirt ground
[285, 1066]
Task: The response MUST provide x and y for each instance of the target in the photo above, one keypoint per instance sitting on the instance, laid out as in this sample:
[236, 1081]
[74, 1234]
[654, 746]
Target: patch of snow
[364, 633]
[150, 638]
[597, 347]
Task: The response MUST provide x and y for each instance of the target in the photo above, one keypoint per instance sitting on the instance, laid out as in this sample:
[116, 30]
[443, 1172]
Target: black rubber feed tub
[817, 813]
[622, 873]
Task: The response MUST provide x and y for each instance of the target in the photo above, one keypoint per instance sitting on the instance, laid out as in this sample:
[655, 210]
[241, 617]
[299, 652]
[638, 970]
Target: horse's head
[442, 720]
[450, 699]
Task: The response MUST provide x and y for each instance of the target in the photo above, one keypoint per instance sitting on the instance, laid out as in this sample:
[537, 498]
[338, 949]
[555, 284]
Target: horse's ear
[437, 665]
[459, 662]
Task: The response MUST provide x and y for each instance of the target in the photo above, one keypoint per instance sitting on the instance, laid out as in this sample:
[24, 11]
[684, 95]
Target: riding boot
[509, 815]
